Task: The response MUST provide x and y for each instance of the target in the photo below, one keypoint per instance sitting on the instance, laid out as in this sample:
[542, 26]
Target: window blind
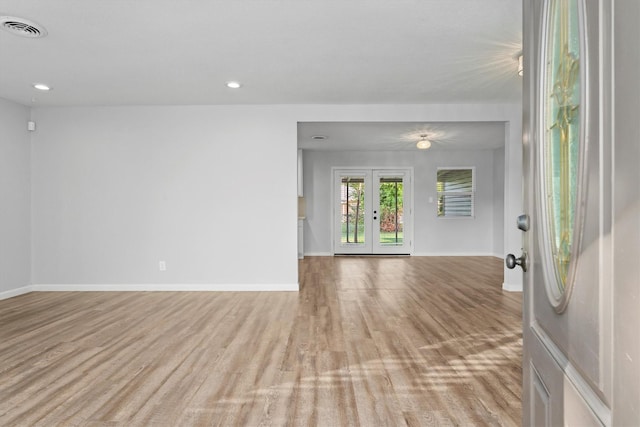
[456, 190]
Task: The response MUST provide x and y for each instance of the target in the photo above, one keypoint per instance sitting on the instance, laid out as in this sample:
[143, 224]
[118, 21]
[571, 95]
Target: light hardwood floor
[369, 341]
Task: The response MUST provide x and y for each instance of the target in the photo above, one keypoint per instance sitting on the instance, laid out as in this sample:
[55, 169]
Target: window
[456, 190]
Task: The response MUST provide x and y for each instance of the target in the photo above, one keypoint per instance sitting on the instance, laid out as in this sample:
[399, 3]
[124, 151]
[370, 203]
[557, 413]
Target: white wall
[432, 235]
[15, 205]
[209, 190]
[498, 203]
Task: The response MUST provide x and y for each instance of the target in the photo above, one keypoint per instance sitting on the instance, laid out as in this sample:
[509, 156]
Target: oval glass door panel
[562, 149]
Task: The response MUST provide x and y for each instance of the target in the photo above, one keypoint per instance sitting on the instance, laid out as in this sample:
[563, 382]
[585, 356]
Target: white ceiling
[181, 52]
[386, 136]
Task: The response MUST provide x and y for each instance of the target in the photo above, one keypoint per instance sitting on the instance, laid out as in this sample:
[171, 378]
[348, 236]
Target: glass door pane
[352, 221]
[352, 208]
[563, 148]
[391, 213]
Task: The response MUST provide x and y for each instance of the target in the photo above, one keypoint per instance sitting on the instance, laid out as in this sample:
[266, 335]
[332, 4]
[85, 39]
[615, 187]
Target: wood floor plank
[368, 341]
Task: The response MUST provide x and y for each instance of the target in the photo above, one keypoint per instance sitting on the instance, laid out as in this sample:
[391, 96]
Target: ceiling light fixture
[41, 86]
[424, 143]
[233, 85]
[520, 66]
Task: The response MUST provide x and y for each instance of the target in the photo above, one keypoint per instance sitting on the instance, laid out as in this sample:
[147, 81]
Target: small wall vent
[22, 27]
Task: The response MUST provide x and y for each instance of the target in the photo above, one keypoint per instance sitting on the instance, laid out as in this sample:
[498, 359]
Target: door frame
[407, 205]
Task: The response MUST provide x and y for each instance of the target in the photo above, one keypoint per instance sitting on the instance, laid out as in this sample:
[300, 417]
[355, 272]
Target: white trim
[432, 254]
[15, 292]
[456, 254]
[512, 287]
[592, 400]
[168, 287]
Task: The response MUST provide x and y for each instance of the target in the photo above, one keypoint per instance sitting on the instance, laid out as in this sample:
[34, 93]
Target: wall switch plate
[162, 266]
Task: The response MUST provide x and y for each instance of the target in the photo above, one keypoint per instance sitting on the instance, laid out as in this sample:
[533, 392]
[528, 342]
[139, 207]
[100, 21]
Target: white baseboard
[424, 254]
[512, 287]
[455, 254]
[15, 292]
[168, 287]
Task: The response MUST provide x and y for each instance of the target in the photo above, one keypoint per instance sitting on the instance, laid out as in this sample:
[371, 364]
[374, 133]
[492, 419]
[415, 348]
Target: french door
[372, 211]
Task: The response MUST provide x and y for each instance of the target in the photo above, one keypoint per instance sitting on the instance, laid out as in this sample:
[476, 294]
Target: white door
[568, 252]
[372, 210]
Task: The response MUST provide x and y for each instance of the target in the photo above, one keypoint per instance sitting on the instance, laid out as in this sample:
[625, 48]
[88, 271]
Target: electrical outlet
[162, 266]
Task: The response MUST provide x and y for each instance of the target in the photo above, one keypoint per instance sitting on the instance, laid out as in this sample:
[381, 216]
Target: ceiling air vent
[22, 27]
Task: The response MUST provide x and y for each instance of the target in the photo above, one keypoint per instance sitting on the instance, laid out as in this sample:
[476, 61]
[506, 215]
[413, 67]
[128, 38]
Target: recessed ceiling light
[233, 85]
[41, 86]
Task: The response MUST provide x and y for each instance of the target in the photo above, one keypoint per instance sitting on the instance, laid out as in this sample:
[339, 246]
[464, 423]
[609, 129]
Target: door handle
[511, 261]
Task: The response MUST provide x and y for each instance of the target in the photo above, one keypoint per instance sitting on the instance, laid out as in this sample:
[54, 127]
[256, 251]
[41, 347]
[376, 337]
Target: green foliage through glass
[391, 211]
[352, 208]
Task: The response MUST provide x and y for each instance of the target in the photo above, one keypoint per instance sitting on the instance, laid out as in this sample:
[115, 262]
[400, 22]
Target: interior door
[372, 209]
[567, 248]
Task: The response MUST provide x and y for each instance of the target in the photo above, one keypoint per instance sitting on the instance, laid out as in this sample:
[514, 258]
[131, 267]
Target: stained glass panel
[561, 151]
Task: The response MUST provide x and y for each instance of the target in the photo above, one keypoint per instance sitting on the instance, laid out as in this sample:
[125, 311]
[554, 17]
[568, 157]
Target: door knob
[511, 261]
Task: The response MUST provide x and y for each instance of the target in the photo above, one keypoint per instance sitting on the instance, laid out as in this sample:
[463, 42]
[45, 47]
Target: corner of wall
[16, 292]
[32, 135]
[15, 190]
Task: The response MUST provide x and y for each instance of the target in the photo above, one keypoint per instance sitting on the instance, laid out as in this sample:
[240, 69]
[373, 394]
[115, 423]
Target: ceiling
[182, 52]
[393, 136]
